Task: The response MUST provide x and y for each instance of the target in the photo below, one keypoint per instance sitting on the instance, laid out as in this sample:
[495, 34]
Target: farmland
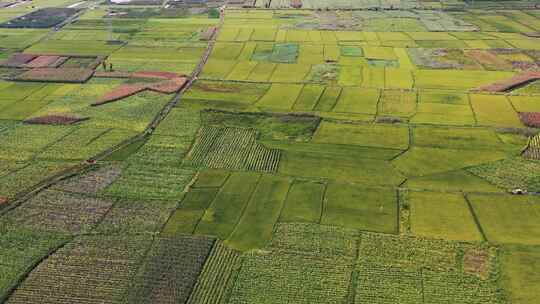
[257, 151]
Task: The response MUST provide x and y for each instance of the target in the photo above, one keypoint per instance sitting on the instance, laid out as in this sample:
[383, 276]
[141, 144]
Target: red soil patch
[3, 200]
[126, 90]
[43, 61]
[18, 60]
[114, 74]
[296, 3]
[476, 262]
[75, 75]
[55, 120]
[120, 92]
[509, 84]
[530, 119]
[155, 74]
[169, 87]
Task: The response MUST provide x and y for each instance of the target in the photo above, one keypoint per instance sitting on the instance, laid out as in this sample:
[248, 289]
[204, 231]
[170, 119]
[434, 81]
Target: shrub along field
[331, 154]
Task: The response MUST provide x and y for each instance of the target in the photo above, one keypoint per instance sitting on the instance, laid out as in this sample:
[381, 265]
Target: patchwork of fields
[284, 151]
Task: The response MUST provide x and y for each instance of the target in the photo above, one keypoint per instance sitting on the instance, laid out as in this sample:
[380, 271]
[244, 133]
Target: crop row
[511, 173]
[216, 277]
[316, 239]
[233, 148]
[92, 181]
[171, 270]
[76, 75]
[533, 150]
[92, 269]
[381, 284]
[281, 277]
[60, 212]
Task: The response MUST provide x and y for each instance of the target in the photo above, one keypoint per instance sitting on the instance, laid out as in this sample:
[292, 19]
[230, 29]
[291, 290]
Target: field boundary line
[31, 268]
[209, 204]
[291, 183]
[246, 205]
[323, 202]
[475, 218]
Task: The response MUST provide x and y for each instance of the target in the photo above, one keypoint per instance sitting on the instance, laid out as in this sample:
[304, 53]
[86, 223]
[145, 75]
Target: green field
[270, 152]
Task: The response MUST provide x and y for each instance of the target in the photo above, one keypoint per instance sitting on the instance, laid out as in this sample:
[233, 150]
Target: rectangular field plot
[369, 135]
[374, 282]
[494, 110]
[232, 148]
[443, 114]
[290, 72]
[519, 274]
[229, 94]
[280, 96]
[60, 212]
[214, 282]
[456, 79]
[397, 103]
[21, 248]
[459, 180]
[279, 277]
[317, 240]
[420, 161]
[318, 164]
[442, 215]
[308, 98]
[355, 207]
[508, 219]
[358, 100]
[170, 270]
[76, 271]
[255, 227]
[328, 99]
[525, 103]
[511, 173]
[304, 202]
[457, 138]
[226, 209]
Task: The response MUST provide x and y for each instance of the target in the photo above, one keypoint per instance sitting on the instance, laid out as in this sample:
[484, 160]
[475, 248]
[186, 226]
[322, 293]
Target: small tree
[213, 13]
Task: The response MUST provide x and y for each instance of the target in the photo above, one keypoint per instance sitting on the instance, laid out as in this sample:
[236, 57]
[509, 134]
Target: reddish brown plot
[126, 90]
[476, 261]
[121, 92]
[488, 59]
[3, 200]
[17, 60]
[530, 119]
[55, 120]
[76, 75]
[169, 87]
[46, 61]
[296, 3]
[509, 84]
